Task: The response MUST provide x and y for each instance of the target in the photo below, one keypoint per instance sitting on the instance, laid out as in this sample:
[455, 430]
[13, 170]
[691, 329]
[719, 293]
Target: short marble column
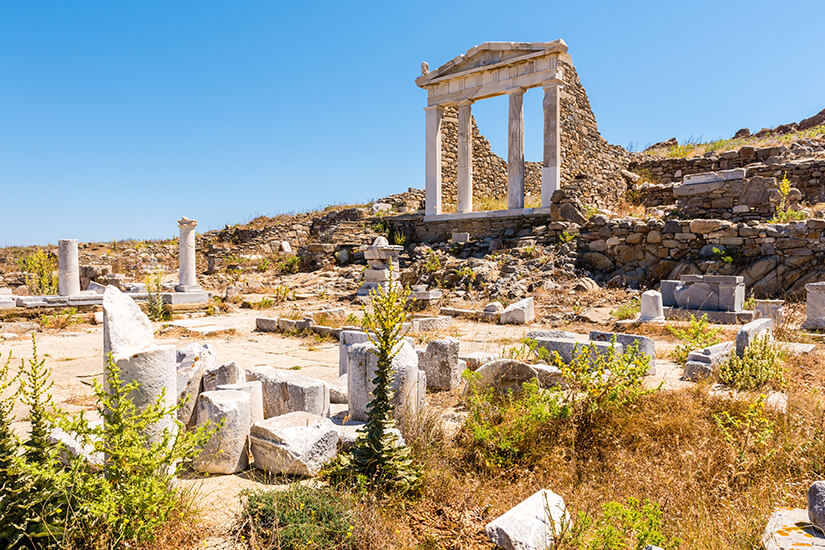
[464, 179]
[651, 307]
[68, 268]
[550, 170]
[515, 151]
[814, 306]
[432, 177]
[187, 273]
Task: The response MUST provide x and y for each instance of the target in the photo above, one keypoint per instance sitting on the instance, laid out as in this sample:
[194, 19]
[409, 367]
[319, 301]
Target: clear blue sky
[116, 118]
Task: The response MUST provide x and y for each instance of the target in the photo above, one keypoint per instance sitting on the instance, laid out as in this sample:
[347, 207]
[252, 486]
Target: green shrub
[627, 311]
[290, 264]
[518, 427]
[46, 504]
[784, 212]
[628, 525]
[40, 270]
[698, 335]
[299, 518]
[433, 262]
[263, 265]
[760, 366]
[376, 460]
[61, 319]
[156, 308]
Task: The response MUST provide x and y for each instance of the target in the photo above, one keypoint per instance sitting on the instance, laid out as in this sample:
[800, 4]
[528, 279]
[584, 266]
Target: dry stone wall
[804, 167]
[584, 154]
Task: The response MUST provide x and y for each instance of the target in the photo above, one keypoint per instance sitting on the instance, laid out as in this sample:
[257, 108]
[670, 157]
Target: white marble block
[256, 399]
[298, 443]
[285, 392]
[408, 383]
[530, 525]
[815, 306]
[192, 361]
[226, 451]
[441, 363]
[518, 313]
[346, 339]
[219, 375]
[652, 310]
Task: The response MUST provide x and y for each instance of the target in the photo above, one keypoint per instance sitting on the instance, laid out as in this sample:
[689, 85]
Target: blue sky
[116, 118]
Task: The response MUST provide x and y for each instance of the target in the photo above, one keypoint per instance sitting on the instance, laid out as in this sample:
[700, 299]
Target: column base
[550, 182]
[188, 288]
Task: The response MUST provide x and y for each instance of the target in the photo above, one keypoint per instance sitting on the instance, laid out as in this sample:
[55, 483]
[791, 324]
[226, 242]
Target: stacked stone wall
[806, 174]
[584, 154]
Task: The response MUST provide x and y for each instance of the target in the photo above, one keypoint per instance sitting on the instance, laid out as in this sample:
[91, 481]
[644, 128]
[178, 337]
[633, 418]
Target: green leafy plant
[290, 264]
[61, 319]
[398, 239]
[263, 265]
[627, 311]
[299, 518]
[697, 335]
[748, 434]
[381, 227]
[156, 308]
[566, 237]
[376, 459]
[749, 303]
[628, 525]
[433, 262]
[722, 255]
[784, 212]
[513, 428]
[40, 270]
[760, 366]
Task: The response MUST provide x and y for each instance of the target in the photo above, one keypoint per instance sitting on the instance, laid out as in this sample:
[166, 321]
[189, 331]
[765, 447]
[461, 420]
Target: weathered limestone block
[701, 363]
[266, 324]
[125, 326]
[338, 390]
[228, 373]
[770, 309]
[409, 383]
[530, 524]
[441, 363]
[477, 359]
[226, 451]
[71, 447]
[348, 433]
[346, 339]
[518, 313]
[297, 443]
[509, 375]
[642, 344]
[192, 361]
[791, 529]
[285, 392]
[746, 334]
[815, 306]
[651, 307]
[256, 397]
[816, 504]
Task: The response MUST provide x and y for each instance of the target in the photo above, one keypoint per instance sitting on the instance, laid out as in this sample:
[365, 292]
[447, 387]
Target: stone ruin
[187, 291]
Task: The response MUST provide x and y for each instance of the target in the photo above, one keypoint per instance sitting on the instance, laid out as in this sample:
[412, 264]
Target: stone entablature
[487, 70]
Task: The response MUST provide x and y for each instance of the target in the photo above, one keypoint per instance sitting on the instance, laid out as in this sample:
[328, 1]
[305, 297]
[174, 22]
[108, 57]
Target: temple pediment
[489, 56]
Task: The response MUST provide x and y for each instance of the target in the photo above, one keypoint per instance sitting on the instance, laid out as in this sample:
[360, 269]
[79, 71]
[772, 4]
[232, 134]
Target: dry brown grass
[669, 449]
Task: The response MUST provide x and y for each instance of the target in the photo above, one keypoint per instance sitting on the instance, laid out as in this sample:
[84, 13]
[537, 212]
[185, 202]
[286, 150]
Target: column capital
[465, 102]
[186, 222]
[516, 90]
[552, 83]
[433, 107]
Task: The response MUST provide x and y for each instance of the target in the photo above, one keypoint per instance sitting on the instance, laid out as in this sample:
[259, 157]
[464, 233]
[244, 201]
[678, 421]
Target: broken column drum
[68, 269]
[187, 273]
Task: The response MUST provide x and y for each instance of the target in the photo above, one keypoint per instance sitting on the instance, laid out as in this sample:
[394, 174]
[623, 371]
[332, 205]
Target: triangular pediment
[488, 55]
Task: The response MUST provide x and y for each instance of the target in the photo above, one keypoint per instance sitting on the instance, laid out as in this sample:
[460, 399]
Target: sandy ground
[75, 357]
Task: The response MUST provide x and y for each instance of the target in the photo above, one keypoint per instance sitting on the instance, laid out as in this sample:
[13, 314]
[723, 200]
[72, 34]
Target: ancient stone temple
[460, 165]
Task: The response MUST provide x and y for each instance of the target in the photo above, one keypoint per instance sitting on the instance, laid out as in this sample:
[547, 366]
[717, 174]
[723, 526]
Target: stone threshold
[719, 317]
[516, 212]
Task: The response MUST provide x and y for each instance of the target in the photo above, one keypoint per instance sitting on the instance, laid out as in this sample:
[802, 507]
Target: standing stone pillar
[187, 274]
[464, 181]
[432, 177]
[68, 270]
[515, 151]
[551, 170]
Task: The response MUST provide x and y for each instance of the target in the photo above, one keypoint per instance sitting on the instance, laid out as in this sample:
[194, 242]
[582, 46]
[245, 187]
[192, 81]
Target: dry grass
[669, 449]
[692, 149]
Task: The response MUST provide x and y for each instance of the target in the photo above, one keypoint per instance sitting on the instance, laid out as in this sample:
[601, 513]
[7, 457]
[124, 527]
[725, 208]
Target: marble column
[551, 170]
[464, 179]
[515, 151]
[432, 177]
[187, 274]
[68, 268]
